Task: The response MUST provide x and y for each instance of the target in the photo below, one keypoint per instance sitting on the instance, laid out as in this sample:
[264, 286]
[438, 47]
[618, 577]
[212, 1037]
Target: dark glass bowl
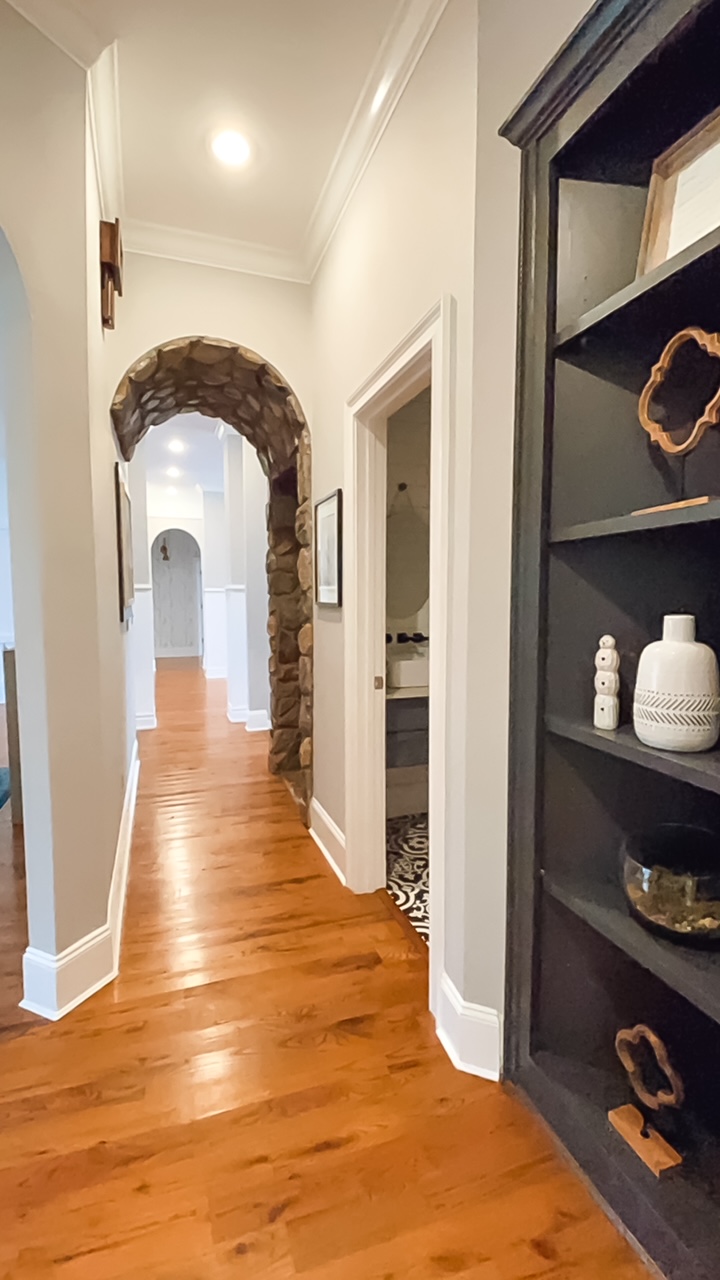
[671, 878]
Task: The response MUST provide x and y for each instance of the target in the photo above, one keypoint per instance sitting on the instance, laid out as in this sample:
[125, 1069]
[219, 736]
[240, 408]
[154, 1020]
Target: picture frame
[123, 524]
[328, 550]
[684, 195]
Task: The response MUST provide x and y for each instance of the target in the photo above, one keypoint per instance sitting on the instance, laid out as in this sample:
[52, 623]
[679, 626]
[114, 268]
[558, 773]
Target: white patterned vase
[677, 695]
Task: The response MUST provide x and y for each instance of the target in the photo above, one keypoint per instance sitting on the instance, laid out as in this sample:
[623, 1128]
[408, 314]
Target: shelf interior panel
[604, 464]
[623, 337]
[624, 587]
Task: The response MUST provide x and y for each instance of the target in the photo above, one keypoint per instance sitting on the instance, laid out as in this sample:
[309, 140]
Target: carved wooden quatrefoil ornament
[684, 383]
[627, 1042]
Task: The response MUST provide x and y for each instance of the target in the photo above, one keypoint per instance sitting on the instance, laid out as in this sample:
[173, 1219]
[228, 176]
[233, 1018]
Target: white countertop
[412, 691]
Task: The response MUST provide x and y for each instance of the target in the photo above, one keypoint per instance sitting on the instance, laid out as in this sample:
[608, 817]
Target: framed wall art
[684, 197]
[126, 577]
[328, 550]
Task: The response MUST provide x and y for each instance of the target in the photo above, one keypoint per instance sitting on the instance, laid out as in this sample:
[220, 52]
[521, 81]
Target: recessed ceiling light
[176, 446]
[173, 472]
[380, 96]
[231, 148]
[171, 490]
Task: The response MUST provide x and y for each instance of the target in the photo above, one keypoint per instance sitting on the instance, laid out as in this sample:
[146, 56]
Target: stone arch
[223, 380]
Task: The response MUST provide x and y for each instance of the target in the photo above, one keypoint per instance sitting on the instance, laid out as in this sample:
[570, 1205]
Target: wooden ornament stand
[646, 1142]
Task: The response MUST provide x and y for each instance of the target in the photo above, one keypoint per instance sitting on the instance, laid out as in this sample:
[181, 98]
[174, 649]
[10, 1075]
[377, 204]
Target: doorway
[425, 358]
[177, 598]
[407, 642]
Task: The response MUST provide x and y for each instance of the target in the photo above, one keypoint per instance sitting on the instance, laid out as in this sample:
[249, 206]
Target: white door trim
[426, 355]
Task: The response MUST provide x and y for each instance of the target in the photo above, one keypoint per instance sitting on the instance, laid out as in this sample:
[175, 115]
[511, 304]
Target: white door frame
[426, 355]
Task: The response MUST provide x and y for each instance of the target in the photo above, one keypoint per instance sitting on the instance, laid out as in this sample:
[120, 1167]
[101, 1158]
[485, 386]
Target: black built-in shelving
[634, 78]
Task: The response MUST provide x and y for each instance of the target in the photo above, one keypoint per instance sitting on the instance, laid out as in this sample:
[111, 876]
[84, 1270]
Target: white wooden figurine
[607, 685]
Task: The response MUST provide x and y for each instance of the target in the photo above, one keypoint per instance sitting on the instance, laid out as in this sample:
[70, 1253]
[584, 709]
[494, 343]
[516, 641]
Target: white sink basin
[407, 672]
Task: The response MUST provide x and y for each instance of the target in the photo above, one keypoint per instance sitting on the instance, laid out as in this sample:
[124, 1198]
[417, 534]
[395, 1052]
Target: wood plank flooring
[261, 1093]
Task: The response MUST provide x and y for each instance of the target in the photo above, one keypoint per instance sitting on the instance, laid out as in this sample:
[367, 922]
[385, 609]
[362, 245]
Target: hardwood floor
[261, 1093]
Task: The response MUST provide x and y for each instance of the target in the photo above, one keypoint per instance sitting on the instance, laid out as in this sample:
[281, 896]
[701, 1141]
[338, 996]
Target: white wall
[165, 299]
[406, 239]
[7, 624]
[142, 633]
[418, 228]
[71, 676]
[255, 487]
[408, 518]
[533, 34]
[215, 580]
[235, 593]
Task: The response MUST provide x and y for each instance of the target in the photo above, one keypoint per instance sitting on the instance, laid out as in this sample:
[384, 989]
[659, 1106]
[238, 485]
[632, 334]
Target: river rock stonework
[223, 380]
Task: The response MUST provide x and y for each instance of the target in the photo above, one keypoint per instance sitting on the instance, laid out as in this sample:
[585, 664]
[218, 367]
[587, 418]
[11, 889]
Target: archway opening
[223, 380]
[177, 596]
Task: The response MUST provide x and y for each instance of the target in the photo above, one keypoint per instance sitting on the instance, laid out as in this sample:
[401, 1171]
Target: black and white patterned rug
[408, 869]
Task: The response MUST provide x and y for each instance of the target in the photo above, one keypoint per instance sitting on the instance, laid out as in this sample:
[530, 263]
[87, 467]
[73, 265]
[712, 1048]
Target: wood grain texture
[261, 1093]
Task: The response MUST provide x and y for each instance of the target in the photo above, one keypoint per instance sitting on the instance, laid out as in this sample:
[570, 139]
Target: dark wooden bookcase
[632, 80]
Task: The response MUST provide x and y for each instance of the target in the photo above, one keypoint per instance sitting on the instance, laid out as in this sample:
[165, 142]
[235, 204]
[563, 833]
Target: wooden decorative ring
[709, 342]
[624, 1042]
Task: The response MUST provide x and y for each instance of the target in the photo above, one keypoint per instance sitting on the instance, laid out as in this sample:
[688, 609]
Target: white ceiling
[201, 462]
[286, 73]
[299, 78]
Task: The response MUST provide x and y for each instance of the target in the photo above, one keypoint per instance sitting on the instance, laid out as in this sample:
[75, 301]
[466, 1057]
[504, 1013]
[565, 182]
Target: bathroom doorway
[426, 357]
[407, 639]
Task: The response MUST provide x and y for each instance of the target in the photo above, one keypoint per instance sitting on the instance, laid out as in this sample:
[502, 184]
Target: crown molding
[156, 241]
[399, 54]
[104, 116]
[402, 49]
[66, 27]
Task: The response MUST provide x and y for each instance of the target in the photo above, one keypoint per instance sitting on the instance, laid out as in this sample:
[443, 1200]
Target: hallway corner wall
[76, 742]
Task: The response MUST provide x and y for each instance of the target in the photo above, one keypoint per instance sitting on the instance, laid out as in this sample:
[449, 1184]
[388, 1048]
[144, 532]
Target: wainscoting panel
[215, 626]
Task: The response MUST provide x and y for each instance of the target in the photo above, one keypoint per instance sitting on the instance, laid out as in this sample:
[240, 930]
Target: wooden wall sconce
[685, 382]
[111, 269]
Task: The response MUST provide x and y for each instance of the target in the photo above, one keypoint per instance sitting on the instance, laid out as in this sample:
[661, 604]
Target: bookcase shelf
[699, 770]
[694, 973]
[677, 518]
[631, 82]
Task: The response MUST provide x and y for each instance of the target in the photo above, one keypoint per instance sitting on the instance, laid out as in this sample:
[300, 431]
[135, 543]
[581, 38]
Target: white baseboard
[329, 839]
[237, 715]
[56, 984]
[215, 673]
[258, 722]
[146, 722]
[469, 1033]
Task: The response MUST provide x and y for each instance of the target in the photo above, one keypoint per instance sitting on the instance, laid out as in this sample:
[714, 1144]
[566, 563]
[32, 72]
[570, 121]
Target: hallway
[261, 1093]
